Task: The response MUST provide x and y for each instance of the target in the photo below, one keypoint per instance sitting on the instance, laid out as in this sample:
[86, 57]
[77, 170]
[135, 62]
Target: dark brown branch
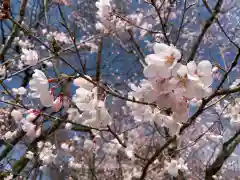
[219, 24]
[182, 20]
[161, 20]
[14, 32]
[208, 23]
[227, 149]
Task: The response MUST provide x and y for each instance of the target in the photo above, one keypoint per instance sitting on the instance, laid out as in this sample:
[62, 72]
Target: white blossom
[30, 155]
[68, 126]
[29, 57]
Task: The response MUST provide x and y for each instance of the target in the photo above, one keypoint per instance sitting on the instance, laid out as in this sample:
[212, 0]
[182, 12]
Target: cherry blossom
[195, 80]
[103, 13]
[235, 113]
[20, 91]
[29, 128]
[29, 57]
[30, 155]
[68, 126]
[39, 83]
[164, 55]
[40, 87]
[151, 120]
[17, 115]
[174, 166]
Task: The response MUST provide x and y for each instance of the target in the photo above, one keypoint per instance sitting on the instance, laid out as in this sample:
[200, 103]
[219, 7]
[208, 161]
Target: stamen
[170, 59]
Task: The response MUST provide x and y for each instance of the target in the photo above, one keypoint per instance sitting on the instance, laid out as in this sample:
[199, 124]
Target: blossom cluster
[94, 112]
[170, 85]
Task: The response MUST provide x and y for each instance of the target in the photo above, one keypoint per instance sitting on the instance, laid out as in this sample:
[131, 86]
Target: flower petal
[206, 81]
[153, 59]
[192, 67]
[204, 68]
[160, 48]
[182, 71]
[46, 99]
[153, 71]
[83, 83]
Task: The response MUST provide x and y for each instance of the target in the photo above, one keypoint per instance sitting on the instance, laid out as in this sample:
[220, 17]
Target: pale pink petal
[25, 51]
[193, 90]
[182, 71]
[206, 80]
[83, 83]
[150, 71]
[204, 68]
[192, 67]
[153, 71]
[57, 104]
[153, 59]
[176, 53]
[175, 68]
[160, 48]
[46, 99]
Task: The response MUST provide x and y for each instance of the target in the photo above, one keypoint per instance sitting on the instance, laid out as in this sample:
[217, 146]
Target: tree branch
[208, 23]
[227, 149]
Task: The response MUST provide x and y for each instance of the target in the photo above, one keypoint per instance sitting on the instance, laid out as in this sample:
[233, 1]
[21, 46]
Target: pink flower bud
[66, 102]
[38, 132]
[57, 104]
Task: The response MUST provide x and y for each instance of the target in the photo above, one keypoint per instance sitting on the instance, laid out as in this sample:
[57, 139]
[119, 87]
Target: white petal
[39, 74]
[182, 71]
[83, 94]
[22, 91]
[175, 68]
[153, 59]
[193, 90]
[35, 95]
[206, 81]
[163, 72]
[35, 85]
[160, 48]
[85, 106]
[83, 83]
[153, 71]
[204, 68]
[193, 77]
[32, 85]
[25, 51]
[150, 71]
[46, 99]
[192, 67]
[176, 53]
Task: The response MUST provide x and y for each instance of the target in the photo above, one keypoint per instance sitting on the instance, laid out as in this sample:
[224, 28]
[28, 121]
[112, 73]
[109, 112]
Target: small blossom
[57, 104]
[165, 56]
[83, 83]
[2, 70]
[65, 146]
[20, 91]
[68, 126]
[30, 155]
[29, 57]
[17, 115]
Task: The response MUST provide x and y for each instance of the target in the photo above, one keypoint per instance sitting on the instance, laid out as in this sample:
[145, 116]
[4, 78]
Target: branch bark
[227, 149]
[208, 23]
[14, 32]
